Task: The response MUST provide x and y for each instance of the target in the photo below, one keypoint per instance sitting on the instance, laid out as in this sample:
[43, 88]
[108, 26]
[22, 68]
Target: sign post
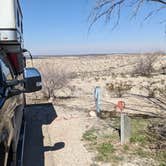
[125, 124]
[125, 130]
[97, 96]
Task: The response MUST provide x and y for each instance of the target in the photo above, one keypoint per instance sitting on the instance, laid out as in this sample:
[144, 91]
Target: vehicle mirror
[12, 83]
[14, 92]
[32, 80]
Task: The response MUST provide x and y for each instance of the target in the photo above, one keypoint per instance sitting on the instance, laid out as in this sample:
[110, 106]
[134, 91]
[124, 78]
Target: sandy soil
[102, 71]
[56, 140]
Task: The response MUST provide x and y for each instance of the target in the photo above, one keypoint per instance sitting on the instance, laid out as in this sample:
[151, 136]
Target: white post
[97, 95]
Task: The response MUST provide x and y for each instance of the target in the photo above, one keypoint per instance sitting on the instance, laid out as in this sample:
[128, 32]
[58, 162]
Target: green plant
[138, 131]
[90, 135]
[142, 139]
[126, 147]
[105, 150]
[140, 152]
[161, 157]
[148, 141]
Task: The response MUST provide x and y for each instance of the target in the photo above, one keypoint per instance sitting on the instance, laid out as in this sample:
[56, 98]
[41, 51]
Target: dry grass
[144, 137]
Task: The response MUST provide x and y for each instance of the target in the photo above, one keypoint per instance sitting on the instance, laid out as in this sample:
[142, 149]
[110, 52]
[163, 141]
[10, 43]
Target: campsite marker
[97, 96]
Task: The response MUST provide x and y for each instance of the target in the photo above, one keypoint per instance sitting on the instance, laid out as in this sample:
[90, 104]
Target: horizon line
[98, 54]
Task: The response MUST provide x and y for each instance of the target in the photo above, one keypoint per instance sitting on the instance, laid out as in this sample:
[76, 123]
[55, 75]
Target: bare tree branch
[159, 1]
[150, 14]
[107, 8]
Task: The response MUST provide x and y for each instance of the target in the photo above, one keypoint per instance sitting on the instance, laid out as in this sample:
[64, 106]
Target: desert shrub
[90, 135]
[144, 66]
[151, 90]
[162, 92]
[163, 82]
[54, 78]
[156, 134]
[97, 79]
[163, 70]
[105, 151]
[104, 78]
[123, 75]
[155, 89]
[119, 88]
[114, 75]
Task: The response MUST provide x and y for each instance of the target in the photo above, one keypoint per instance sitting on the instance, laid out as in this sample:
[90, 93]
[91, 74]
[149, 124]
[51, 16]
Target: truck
[15, 81]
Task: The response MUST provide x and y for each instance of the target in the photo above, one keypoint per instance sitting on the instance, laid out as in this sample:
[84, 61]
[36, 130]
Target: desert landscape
[83, 83]
[139, 80]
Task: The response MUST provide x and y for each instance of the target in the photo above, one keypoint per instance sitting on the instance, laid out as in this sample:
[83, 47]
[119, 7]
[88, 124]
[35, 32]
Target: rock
[51, 99]
[92, 114]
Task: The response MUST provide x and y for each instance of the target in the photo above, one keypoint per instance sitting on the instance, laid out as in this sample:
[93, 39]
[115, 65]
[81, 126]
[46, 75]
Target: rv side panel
[7, 14]
[11, 26]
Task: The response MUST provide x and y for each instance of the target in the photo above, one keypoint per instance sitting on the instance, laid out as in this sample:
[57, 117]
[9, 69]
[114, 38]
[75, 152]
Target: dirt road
[55, 140]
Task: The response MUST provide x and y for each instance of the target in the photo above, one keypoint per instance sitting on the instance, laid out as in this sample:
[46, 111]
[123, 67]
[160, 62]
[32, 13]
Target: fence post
[97, 96]
[125, 130]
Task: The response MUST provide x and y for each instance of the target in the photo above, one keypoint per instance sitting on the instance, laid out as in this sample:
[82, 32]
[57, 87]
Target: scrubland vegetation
[147, 143]
[138, 80]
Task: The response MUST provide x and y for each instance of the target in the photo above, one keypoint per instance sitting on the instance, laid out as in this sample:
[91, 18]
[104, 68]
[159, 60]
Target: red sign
[120, 105]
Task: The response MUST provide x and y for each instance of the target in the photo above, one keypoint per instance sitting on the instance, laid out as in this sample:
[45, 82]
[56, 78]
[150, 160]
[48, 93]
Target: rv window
[18, 19]
[21, 27]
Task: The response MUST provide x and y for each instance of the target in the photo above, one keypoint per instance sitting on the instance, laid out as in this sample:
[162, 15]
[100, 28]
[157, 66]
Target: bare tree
[107, 9]
[144, 66]
[119, 88]
[54, 78]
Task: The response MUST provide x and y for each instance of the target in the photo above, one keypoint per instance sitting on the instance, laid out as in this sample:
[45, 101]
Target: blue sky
[61, 27]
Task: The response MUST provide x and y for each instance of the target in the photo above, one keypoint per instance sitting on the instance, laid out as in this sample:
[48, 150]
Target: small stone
[51, 99]
[92, 114]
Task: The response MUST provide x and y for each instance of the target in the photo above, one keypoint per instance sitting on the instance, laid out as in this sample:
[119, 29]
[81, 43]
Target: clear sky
[61, 27]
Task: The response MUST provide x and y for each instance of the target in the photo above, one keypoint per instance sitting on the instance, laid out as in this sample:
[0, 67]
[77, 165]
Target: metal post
[97, 95]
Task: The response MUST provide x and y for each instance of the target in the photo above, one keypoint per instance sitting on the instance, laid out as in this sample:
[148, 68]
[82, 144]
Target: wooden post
[125, 130]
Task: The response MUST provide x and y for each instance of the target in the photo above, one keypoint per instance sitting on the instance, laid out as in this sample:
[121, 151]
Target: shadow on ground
[36, 116]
